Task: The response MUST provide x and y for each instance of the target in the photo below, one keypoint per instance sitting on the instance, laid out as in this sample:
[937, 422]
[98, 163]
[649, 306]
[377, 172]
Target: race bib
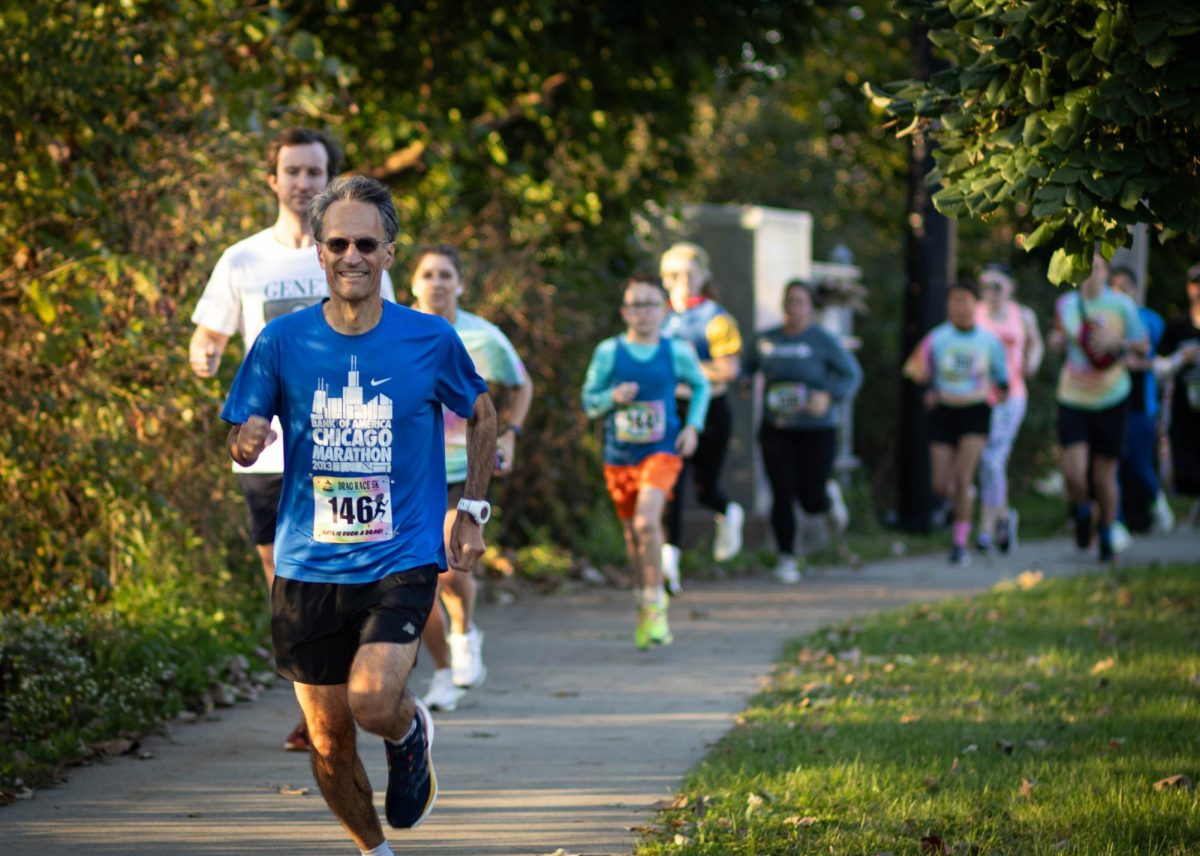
[786, 398]
[642, 422]
[351, 510]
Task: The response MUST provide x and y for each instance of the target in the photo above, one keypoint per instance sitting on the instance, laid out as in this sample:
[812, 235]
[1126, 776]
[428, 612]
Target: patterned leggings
[1006, 421]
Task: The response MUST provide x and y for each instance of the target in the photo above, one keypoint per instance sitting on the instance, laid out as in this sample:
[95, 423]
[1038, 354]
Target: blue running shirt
[364, 482]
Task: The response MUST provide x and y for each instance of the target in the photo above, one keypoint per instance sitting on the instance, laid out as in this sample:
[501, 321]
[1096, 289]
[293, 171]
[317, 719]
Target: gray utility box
[754, 252]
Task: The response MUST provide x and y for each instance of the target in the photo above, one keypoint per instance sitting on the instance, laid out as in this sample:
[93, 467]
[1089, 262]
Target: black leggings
[798, 463]
[704, 467]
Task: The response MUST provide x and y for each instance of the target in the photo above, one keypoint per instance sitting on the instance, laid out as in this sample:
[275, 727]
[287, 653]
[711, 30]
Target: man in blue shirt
[358, 385]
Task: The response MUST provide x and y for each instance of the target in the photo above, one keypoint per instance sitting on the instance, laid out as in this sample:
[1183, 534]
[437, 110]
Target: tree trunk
[929, 270]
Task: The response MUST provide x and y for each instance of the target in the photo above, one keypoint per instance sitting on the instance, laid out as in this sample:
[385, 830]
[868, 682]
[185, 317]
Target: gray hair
[354, 188]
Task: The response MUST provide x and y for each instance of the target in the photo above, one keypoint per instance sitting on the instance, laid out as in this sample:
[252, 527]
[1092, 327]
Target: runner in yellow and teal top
[697, 318]
[437, 283]
[1097, 327]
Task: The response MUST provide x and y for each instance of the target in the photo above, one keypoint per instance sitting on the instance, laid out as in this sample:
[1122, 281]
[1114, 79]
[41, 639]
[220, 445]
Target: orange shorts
[659, 470]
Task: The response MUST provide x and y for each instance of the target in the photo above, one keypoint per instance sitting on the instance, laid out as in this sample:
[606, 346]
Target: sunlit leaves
[1112, 86]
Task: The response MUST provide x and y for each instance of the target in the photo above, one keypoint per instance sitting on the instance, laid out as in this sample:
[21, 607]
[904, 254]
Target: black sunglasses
[366, 246]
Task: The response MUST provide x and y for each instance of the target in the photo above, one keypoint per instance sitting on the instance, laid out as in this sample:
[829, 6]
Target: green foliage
[1035, 719]
[130, 155]
[1083, 113]
[76, 674]
[124, 167]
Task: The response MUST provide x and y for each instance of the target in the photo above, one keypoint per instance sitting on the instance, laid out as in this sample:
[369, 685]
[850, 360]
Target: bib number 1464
[351, 510]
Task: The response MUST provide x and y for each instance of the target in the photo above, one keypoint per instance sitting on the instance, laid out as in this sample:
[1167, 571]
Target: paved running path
[568, 745]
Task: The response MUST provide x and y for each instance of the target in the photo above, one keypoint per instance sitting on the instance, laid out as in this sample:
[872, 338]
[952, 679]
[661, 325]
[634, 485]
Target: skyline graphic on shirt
[350, 433]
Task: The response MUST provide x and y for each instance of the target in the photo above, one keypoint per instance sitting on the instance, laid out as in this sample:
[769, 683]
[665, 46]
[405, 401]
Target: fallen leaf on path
[1178, 782]
[560, 852]
[289, 791]
[564, 694]
[118, 746]
[935, 845]
[663, 805]
[1028, 579]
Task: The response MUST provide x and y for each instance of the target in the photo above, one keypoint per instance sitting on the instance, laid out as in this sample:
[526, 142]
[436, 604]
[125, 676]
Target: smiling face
[301, 172]
[354, 276]
[436, 284]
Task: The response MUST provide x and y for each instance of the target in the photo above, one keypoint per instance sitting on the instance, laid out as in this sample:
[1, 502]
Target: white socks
[383, 849]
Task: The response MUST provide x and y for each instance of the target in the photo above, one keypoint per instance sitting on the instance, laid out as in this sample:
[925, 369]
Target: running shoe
[442, 693]
[1119, 536]
[983, 544]
[1162, 513]
[670, 569]
[466, 658]
[787, 570]
[652, 628]
[1006, 531]
[298, 740]
[959, 557]
[728, 541]
[1083, 528]
[839, 514]
[412, 785]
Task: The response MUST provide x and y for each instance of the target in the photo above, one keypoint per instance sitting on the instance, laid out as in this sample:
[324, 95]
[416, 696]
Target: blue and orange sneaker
[412, 784]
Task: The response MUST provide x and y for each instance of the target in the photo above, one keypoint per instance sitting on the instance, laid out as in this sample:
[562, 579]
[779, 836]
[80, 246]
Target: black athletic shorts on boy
[950, 424]
[1103, 430]
[317, 628]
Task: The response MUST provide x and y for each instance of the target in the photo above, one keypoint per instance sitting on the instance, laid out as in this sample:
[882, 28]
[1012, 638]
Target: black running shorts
[949, 424]
[1102, 430]
[261, 492]
[317, 628]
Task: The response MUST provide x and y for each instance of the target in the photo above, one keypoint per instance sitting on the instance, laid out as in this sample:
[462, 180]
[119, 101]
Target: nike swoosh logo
[377, 382]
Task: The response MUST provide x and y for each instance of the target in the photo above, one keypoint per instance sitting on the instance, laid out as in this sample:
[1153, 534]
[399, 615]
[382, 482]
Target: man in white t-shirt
[271, 273]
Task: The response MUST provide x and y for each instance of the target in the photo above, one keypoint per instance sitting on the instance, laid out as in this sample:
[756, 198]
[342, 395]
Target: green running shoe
[652, 628]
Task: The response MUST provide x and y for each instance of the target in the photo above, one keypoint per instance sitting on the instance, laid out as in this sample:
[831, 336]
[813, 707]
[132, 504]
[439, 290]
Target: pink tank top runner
[1011, 332]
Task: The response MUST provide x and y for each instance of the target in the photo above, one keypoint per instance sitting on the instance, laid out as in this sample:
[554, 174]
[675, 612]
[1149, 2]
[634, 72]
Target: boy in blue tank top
[631, 383]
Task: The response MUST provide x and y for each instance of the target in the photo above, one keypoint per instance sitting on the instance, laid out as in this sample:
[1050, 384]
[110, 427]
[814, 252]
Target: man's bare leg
[335, 763]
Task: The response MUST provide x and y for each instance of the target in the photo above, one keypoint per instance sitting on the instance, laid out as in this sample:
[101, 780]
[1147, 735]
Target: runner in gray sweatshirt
[807, 375]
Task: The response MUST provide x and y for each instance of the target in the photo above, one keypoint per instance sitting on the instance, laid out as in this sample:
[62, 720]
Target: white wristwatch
[480, 509]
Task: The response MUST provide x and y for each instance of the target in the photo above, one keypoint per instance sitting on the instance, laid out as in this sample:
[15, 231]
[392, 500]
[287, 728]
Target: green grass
[1030, 720]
